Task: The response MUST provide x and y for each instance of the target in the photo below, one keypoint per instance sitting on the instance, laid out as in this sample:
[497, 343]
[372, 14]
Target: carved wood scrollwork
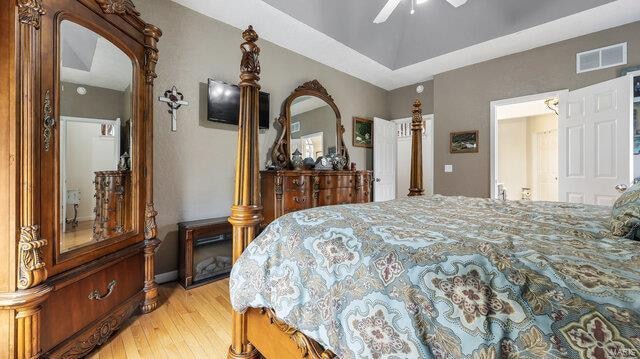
[48, 120]
[100, 333]
[32, 269]
[30, 11]
[309, 348]
[119, 7]
[150, 227]
[281, 154]
[152, 35]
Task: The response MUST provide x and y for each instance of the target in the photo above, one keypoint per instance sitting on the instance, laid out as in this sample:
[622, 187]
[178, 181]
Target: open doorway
[594, 144]
[525, 148]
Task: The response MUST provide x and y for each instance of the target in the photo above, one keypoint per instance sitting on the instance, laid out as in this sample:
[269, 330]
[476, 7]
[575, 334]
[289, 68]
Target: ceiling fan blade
[386, 11]
[457, 3]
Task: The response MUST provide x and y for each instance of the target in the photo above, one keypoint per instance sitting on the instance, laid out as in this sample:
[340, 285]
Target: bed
[441, 277]
[421, 277]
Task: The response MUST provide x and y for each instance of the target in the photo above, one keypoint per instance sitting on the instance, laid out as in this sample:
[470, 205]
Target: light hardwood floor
[187, 324]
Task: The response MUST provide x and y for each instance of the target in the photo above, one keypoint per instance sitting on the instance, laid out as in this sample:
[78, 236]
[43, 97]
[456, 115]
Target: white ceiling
[523, 109]
[89, 59]
[305, 104]
[285, 30]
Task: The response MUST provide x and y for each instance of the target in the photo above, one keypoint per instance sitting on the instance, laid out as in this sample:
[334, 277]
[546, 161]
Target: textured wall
[401, 100]
[194, 167]
[462, 98]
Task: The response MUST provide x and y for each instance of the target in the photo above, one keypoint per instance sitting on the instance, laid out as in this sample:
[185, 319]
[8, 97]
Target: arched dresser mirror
[310, 161]
[86, 223]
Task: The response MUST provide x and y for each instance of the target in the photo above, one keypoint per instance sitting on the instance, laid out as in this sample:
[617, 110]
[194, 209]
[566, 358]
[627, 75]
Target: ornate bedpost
[246, 212]
[415, 186]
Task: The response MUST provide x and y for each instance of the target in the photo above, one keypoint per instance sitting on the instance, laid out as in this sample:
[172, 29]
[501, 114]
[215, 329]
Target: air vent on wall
[602, 58]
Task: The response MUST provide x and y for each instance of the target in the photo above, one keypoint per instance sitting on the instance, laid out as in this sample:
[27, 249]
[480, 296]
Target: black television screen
[224, 104]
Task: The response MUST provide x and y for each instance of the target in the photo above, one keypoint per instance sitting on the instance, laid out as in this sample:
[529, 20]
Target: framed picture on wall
[464, 142]
[362, 132]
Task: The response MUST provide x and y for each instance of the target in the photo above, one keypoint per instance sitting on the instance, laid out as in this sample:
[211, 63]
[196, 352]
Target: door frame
[429, 120]
[63, 151]
[494, 128]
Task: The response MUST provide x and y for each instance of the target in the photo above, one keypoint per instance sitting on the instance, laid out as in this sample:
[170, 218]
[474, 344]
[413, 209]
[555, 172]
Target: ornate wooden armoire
[63, 290]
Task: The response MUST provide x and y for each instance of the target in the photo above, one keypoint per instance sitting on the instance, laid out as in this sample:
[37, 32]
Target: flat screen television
[224, 104]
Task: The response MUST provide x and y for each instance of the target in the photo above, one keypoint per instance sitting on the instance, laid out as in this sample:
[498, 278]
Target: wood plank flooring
[187, 324]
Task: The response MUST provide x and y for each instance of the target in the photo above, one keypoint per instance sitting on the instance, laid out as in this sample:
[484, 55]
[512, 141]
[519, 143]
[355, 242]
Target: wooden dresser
[288, 191]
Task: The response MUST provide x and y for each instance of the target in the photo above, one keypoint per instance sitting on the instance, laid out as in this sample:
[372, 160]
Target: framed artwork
[362, 132]
[295, 127]
[464, 142]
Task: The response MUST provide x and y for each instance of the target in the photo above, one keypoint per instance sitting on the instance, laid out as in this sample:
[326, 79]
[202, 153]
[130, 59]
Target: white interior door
[384, 160]
[546, 166]
[595, 142]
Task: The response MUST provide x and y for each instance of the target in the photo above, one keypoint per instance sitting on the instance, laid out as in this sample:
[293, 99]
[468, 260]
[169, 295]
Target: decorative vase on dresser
[66, 286]
[317, 137]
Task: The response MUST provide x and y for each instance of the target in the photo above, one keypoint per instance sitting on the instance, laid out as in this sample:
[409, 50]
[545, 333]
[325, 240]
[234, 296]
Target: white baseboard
[166, 277]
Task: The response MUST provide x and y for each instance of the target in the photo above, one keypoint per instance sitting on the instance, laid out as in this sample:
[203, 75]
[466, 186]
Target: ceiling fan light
[412, 12]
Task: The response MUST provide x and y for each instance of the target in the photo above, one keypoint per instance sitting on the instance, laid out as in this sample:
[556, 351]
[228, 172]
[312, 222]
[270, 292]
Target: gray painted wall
[401, 100]
[99, 103]
[462, 98]
[194, 167]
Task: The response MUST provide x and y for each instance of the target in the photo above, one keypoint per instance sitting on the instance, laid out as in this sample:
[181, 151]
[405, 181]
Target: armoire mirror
[96, 82]
[311, 124]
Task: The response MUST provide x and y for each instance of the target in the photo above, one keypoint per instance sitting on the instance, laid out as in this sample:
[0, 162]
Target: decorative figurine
[296, 160]
[339, 162]
[323, 164]
[174, 100]
[309, 163]
[124, 164]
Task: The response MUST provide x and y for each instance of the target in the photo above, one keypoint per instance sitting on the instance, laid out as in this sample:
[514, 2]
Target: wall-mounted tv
[224, 104]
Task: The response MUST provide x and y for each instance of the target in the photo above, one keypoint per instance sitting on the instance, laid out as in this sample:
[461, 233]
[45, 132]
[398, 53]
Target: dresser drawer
[345, 182]
[296, 183]
[344, 195]
[296, 201]
[328, 182]
[327, 197]
[74, 304]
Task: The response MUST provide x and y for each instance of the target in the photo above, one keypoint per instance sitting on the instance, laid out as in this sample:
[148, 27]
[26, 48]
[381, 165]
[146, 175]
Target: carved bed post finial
[246, 212]
[415, 187]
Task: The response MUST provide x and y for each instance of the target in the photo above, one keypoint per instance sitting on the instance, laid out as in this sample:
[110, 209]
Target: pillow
[625, 216]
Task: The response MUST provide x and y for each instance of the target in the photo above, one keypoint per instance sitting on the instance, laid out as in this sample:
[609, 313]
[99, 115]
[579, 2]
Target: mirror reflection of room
[95, 137]
[313, 127]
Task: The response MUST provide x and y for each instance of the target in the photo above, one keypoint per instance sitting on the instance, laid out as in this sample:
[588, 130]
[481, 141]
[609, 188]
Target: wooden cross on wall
[175, 100]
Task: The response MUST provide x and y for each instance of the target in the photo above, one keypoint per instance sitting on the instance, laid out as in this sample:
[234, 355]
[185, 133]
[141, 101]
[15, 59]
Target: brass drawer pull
[298, 183]
[297, 200]
[96, 295]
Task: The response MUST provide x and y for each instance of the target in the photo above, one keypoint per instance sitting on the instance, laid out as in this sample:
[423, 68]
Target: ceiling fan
[391, 5]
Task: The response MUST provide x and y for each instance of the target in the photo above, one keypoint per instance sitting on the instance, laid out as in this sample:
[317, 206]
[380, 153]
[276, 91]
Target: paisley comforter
[449, 277]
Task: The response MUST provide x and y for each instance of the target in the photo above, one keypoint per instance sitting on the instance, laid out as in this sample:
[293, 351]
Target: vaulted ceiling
[436, 27]
[409, 48]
